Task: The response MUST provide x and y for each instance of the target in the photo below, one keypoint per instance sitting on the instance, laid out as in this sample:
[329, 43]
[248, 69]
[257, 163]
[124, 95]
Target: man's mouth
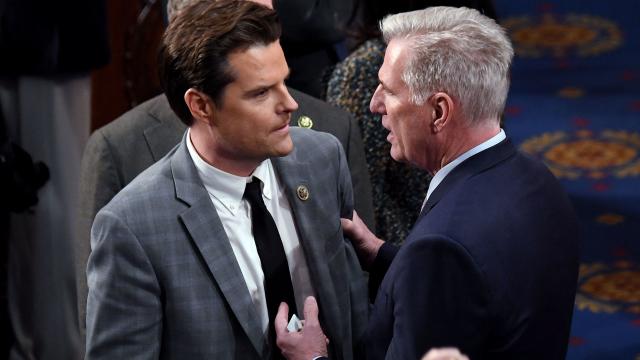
[283, 128]
[383, 122]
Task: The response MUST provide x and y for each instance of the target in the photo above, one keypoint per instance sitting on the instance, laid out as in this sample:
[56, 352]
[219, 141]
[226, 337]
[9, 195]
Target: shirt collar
[263, 172]
[442, 173]
[225, 187]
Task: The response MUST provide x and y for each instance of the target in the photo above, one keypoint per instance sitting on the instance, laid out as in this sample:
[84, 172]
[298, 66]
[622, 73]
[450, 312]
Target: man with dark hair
[192, 258]
[117, 152]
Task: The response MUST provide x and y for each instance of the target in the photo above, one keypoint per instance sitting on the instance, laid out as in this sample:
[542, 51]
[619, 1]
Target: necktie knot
[253, 192]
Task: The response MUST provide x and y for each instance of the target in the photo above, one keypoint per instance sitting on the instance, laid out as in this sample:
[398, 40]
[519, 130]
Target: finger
[358, 223]
[444, 353]
[311, 311]
[347, 225]
[356, 217]
[281, 320]
[355, 227]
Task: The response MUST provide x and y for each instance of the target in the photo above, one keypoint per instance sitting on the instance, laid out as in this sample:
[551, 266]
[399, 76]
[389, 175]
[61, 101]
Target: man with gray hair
[490, 266]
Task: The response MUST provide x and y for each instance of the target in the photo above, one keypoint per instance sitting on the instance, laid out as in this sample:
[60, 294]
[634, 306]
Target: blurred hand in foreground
[444, 354]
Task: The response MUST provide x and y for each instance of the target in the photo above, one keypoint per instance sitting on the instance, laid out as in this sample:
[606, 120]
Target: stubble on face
[251, 122]
[408, 123]
[391, 97]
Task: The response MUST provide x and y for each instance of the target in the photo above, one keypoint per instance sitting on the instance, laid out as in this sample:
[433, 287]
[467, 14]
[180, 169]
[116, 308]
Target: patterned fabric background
[575, 104]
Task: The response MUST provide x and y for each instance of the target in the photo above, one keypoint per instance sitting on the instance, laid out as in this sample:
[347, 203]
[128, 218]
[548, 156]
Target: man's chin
[397, 155]
[283, 149]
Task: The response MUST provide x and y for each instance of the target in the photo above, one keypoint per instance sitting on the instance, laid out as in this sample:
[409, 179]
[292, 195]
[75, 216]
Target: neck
[465, 139]
[215, 155]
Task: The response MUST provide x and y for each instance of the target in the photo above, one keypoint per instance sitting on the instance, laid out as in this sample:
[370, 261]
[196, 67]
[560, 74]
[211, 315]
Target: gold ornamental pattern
[604, 288]
[560, 36]
[589, 154]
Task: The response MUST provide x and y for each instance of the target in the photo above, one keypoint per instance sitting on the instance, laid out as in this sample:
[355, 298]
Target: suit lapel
[164, 134]
[473, 165]
[312, 233]
[203, 224]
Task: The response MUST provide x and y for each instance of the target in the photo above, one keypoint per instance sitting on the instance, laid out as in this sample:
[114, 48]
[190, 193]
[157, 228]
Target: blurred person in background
[313, 39]
[48, 51]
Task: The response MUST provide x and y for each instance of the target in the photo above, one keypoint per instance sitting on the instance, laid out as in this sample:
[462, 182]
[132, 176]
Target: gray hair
[457, 51]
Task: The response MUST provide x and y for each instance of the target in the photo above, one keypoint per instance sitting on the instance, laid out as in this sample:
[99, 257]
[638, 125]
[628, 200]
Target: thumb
[355, 217]
[311, 311]
[281, 320]
[347, 225]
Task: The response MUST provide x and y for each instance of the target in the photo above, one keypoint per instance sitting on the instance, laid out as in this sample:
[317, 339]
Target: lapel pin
[303, 192]
[305, 122]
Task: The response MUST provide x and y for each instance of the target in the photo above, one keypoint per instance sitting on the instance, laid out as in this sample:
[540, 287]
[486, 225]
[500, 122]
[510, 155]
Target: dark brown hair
[195, 47]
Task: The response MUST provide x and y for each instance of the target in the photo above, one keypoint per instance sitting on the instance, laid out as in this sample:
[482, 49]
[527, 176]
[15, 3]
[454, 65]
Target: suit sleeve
[378, 269]
[99, 182]
[438, 298]
[124, 311]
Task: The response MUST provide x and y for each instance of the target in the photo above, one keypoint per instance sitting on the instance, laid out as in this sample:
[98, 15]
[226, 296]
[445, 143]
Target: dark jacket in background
[311, 35]
[40, 37]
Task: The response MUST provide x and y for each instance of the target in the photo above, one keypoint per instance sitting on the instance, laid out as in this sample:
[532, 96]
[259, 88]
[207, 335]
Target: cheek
[244, 130]
[403, 121]
[412, 128]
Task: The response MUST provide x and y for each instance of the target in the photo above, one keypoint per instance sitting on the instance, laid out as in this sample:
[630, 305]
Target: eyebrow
[384, 85]
[259, 88]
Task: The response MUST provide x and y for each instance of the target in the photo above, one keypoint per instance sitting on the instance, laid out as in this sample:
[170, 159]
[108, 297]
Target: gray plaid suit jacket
[116, 153]
[163, 279]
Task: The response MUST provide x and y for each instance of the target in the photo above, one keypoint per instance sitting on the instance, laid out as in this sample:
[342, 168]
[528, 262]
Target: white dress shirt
[225, 191]
[442, 173]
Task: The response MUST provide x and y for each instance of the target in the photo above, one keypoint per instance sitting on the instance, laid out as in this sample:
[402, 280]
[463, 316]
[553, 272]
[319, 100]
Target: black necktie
[277, 281]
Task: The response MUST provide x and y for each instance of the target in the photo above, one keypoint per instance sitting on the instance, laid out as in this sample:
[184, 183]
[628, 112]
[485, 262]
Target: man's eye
[261, 92]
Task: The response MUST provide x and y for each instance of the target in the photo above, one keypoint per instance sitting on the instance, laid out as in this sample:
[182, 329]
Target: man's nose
[376, 105]
[288, 103]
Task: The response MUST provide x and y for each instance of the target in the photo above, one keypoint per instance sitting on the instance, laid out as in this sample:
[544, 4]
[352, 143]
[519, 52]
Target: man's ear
[200, 105]
[442, 110]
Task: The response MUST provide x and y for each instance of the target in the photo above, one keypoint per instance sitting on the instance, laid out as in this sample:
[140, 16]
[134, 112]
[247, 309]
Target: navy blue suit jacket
[490, 266]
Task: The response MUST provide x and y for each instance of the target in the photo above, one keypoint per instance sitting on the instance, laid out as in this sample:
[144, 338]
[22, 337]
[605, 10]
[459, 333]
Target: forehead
[259, 63]
[267, 3]
[395, 58]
